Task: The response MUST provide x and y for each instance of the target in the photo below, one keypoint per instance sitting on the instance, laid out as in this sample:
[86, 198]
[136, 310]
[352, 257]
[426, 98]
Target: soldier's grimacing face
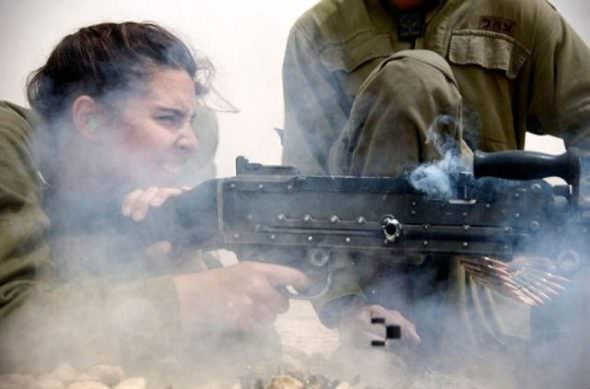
[152, 135]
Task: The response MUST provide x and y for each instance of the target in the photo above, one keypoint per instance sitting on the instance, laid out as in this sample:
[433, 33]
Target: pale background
[245, 40]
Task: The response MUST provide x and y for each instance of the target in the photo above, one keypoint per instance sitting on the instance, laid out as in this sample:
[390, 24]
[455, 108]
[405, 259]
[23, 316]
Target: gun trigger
[292, 293]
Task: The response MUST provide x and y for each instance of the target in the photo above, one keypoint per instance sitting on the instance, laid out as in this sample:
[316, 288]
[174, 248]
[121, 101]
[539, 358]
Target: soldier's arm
[560, 84]
[24, 254]
[314, 112]
[560, 103]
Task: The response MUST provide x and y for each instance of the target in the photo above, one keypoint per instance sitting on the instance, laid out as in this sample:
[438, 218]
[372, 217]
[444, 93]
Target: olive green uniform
[360, 101]
[49, 314]
[528, 74]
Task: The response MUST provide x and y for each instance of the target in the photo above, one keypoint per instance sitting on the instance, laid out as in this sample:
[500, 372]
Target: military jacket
[518, 64]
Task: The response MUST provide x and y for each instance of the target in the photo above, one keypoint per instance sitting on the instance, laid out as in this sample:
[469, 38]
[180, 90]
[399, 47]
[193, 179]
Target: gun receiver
[275, 214]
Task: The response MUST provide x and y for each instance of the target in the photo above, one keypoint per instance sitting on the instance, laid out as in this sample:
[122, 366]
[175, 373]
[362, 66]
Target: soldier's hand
[137, 203]
[244, 296]
[356, 329]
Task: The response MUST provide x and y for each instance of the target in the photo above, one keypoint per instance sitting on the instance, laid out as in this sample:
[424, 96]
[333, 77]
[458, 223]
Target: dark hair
[104, 58]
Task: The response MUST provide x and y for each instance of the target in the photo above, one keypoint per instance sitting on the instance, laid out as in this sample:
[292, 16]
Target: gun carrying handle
[528, 165]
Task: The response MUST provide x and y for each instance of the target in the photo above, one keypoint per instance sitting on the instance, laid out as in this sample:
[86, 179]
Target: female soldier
[115, 103]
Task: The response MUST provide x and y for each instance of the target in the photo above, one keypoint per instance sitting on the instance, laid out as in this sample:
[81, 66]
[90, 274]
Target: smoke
[212, 353]
[545, 340]
[436, 178]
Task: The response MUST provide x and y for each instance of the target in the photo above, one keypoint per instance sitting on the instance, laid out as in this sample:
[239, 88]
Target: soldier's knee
[413, 71]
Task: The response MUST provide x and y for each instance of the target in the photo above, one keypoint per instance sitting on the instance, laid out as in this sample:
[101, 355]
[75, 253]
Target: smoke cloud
[436, 178]
[559, 362]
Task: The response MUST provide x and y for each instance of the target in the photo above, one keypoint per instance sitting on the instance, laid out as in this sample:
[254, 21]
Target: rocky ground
[311, 359]
[301, 330]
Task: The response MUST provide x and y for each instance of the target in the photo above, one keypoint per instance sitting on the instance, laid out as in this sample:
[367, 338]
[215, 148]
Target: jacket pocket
[490, 50]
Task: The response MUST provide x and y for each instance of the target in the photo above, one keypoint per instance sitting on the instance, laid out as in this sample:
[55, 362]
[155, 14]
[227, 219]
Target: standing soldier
[365, 79]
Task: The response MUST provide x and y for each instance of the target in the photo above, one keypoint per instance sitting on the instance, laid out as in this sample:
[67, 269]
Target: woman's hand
[137, 203]
[244, 296]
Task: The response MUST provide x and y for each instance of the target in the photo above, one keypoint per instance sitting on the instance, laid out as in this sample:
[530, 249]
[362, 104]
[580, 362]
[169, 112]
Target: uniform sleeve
[560, 89]
[41, 320]
[314, 112]
[560, 85]
[24, 254]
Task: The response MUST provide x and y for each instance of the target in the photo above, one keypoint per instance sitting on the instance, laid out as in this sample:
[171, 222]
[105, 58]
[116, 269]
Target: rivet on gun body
[273, 237]
[261, 186]
[413, 203]
[361, 220]
[466, 227]
[465, 214]
[281, 217]
[307, 218]
[334, 219]
[535, 225]
[236, 236]
[289, 188]
[516, 195]
[507, 230]
[517, 215]
[426, 226]
[232, 186]
[347, 239]
[413, 212]
[249, 216]
[536, 188]
[465, 244]
[425, 243]
[310, 238]
[488, 205]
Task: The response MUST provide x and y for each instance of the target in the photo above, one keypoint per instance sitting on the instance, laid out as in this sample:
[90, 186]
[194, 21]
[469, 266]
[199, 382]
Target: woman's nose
[188, 142]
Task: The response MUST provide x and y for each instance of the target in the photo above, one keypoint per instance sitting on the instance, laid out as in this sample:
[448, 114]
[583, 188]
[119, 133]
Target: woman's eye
[169, 119]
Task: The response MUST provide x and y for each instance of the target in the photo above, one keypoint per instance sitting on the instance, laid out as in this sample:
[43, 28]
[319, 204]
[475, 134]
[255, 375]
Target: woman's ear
[87, 115]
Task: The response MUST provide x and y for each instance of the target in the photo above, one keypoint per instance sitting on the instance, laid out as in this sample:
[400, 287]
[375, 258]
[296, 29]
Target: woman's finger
[129, 200]
[271, 298]
[164, 194]
[141, 204]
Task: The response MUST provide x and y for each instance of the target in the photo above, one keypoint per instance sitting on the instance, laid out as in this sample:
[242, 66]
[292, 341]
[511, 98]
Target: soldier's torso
[487, 43]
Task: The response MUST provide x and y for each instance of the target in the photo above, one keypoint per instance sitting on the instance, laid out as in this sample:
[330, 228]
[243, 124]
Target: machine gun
[501, 210]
